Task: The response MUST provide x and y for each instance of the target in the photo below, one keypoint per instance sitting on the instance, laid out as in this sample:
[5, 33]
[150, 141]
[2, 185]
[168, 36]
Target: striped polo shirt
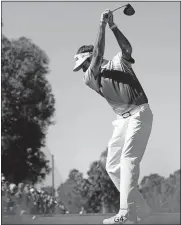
[117, 83]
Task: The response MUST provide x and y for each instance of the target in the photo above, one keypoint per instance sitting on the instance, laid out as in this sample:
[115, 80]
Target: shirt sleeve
[120, 63]
[90, 80]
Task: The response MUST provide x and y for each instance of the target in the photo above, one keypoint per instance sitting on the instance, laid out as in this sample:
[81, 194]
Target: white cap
[80, 59]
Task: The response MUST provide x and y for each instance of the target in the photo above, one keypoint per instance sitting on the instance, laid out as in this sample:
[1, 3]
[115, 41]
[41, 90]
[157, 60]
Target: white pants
[125, 151]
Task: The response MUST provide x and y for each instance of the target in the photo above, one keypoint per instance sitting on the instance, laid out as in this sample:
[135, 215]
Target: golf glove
[105, 16]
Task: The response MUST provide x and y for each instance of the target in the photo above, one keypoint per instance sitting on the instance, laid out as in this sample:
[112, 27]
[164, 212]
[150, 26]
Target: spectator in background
[27, 199]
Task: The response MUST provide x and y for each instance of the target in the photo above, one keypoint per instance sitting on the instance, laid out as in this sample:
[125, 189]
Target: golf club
[128, 11]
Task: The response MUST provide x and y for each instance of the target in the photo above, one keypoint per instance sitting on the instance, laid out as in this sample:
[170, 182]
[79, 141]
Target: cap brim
[77, 67]
[79, 63]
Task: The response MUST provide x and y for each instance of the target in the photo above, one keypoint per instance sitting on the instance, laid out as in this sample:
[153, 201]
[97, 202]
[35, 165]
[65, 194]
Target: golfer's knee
[112, 162]
[110, 168]
[129, 160]
[107, 167]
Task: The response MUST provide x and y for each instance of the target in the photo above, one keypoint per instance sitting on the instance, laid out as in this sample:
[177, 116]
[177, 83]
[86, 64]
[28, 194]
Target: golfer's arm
[98, 51]
[123, 43]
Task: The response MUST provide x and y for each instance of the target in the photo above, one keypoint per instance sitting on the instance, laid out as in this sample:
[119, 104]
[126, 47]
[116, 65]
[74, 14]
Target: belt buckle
[126, 114]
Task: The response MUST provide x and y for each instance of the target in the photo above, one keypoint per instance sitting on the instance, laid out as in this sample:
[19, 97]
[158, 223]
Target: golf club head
[128, 10]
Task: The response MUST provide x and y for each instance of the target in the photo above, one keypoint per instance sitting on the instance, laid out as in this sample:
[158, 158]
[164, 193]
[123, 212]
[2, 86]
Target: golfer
[116, 82]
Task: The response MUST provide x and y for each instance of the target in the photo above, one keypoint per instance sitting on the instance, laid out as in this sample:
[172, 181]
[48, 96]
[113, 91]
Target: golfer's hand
[105, 16]
[110, 19]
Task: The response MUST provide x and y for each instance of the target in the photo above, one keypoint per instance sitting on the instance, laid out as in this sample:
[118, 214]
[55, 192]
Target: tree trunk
[104, 208]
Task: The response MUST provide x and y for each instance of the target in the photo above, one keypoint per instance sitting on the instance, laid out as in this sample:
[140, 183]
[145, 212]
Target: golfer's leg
[137, 135]
[115, 146]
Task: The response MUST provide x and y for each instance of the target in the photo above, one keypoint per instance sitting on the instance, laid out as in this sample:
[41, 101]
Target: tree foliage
[27, 106]
[48, 190]
[101, 194]
[162, 194]
[68, 192]
[97, 193]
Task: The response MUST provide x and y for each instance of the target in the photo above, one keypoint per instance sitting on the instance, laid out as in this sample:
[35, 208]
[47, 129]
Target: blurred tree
[48, 190]
[171, 192]
[151, 180]
[76, 176]
[98, 191]
[68, 192]
[27, 106]
[162, 194]
[150, 187]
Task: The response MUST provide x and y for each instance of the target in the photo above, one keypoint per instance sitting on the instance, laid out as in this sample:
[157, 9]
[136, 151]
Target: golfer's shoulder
[119, 62]
[88, 76]
[119, 57]
[91, 80]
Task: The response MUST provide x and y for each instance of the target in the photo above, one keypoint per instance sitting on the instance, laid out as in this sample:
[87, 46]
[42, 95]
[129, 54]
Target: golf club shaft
[118, 8]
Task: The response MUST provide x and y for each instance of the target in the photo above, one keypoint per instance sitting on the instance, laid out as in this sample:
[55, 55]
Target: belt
[133, 111]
